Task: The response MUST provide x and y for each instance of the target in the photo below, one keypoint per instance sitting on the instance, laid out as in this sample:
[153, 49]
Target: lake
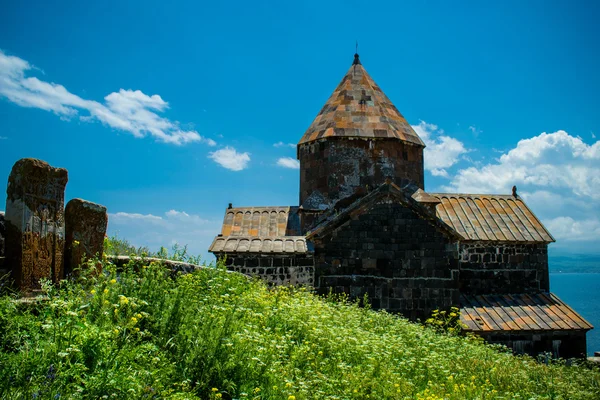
[581, 291]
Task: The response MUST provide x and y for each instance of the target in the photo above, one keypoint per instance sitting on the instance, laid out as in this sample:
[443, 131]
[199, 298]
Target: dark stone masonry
[492, 268]
[365, 226]
[400, 260]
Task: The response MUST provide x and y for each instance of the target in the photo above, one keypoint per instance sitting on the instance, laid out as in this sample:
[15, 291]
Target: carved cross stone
[86, 224]
[35, 227]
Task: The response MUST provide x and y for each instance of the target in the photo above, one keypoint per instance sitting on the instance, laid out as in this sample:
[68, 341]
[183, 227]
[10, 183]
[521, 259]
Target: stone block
[85, 228]
[35, 223]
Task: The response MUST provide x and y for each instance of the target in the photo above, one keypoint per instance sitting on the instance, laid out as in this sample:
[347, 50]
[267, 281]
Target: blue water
[581, 292]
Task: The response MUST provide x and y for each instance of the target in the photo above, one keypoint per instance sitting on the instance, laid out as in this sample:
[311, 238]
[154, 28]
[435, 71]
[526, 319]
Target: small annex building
[366, 225]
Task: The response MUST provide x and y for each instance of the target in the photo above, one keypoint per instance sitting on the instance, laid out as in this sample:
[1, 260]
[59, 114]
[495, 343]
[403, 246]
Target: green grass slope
[216, 335]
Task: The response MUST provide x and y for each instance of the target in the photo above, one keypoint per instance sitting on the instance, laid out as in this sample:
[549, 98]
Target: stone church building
[365, 225]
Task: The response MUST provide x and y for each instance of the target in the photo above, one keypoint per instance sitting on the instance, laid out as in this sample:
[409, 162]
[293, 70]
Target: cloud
[281, 144]
[229, 158]
[130, 111]
[442, 151]
[166, 230]
[550, 160]
[3, 138]
[557, 174]
[569, 229]
[475, 131]
[288, 162]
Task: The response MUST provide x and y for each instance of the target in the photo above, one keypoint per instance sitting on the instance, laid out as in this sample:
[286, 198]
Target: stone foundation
[564, 344]
[275, 269]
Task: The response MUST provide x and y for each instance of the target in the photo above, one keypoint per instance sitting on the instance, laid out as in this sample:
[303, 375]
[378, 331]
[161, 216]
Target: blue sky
[165, 113]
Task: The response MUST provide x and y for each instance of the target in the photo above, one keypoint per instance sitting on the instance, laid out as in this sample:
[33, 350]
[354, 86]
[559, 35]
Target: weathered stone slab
[2, 234]
[35, 226]
[85, 227]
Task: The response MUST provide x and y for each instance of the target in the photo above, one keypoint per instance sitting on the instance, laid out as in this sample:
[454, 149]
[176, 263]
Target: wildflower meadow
[146, 332]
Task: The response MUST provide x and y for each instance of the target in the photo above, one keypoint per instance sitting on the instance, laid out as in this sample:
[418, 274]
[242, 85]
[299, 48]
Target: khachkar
[86, 224]
[35, 224]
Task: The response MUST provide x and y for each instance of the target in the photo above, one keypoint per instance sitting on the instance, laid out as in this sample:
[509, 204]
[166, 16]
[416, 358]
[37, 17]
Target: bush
[140, 333]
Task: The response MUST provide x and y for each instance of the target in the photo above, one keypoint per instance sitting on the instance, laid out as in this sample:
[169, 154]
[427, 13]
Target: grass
[143, 333]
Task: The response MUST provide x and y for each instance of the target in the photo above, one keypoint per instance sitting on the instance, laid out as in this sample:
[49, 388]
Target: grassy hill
[215, 335]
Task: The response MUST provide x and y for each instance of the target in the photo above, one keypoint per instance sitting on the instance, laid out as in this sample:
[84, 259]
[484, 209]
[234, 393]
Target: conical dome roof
[358, 108]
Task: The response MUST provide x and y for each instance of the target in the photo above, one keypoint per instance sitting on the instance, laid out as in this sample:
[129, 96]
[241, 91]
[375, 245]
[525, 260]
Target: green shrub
[140, 333]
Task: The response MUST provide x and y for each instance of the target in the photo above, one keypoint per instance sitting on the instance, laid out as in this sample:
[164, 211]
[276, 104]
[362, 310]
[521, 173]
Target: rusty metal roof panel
[261, 221]
[519, 312]
[487, 217]
[263, 245]
[359, 108]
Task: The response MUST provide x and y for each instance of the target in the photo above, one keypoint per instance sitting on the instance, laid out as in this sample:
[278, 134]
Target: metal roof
[519, 312]
[489, 217]
[261, 221]
[253, 244]
[358, 108]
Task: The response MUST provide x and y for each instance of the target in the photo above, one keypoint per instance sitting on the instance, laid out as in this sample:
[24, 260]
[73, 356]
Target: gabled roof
[519, 312]
[274, 230]
[404, 195]
[487, 217]
[261, 221]
[358, 108]
[264, 245]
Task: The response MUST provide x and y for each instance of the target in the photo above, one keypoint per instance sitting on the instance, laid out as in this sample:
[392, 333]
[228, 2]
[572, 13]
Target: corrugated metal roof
[358, 108]
[253, 244]
[261, 221]
[519, 312]
[491, 218]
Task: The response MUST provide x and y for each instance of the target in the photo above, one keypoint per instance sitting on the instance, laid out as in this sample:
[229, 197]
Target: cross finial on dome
[356, 59]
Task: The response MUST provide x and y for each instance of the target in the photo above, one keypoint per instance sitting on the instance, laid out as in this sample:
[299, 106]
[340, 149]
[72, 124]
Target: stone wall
[564, 344]
[493, 268]
[401, 261]
[274, 269]
[336, 168]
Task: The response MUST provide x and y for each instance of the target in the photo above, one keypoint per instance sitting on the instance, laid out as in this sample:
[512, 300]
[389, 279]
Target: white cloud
[569, 229]
[281, 144]
[166, 230]
[556, 160]
[442, 151]
[127, 110]
[3, 138]
[557, 174]
[288, 162]
[229, 158]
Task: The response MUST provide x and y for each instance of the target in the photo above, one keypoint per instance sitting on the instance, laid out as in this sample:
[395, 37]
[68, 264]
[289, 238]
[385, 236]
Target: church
[365, 225]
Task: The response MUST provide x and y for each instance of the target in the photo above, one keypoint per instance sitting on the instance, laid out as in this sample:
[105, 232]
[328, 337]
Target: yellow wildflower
[214, 389]
[75, 242]
[288, 385]
[113, 281]
[137, 329]
[291, 397]
[105, 291]
[256, 390]
[218, 395]
[134, 320]
[93, 291]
